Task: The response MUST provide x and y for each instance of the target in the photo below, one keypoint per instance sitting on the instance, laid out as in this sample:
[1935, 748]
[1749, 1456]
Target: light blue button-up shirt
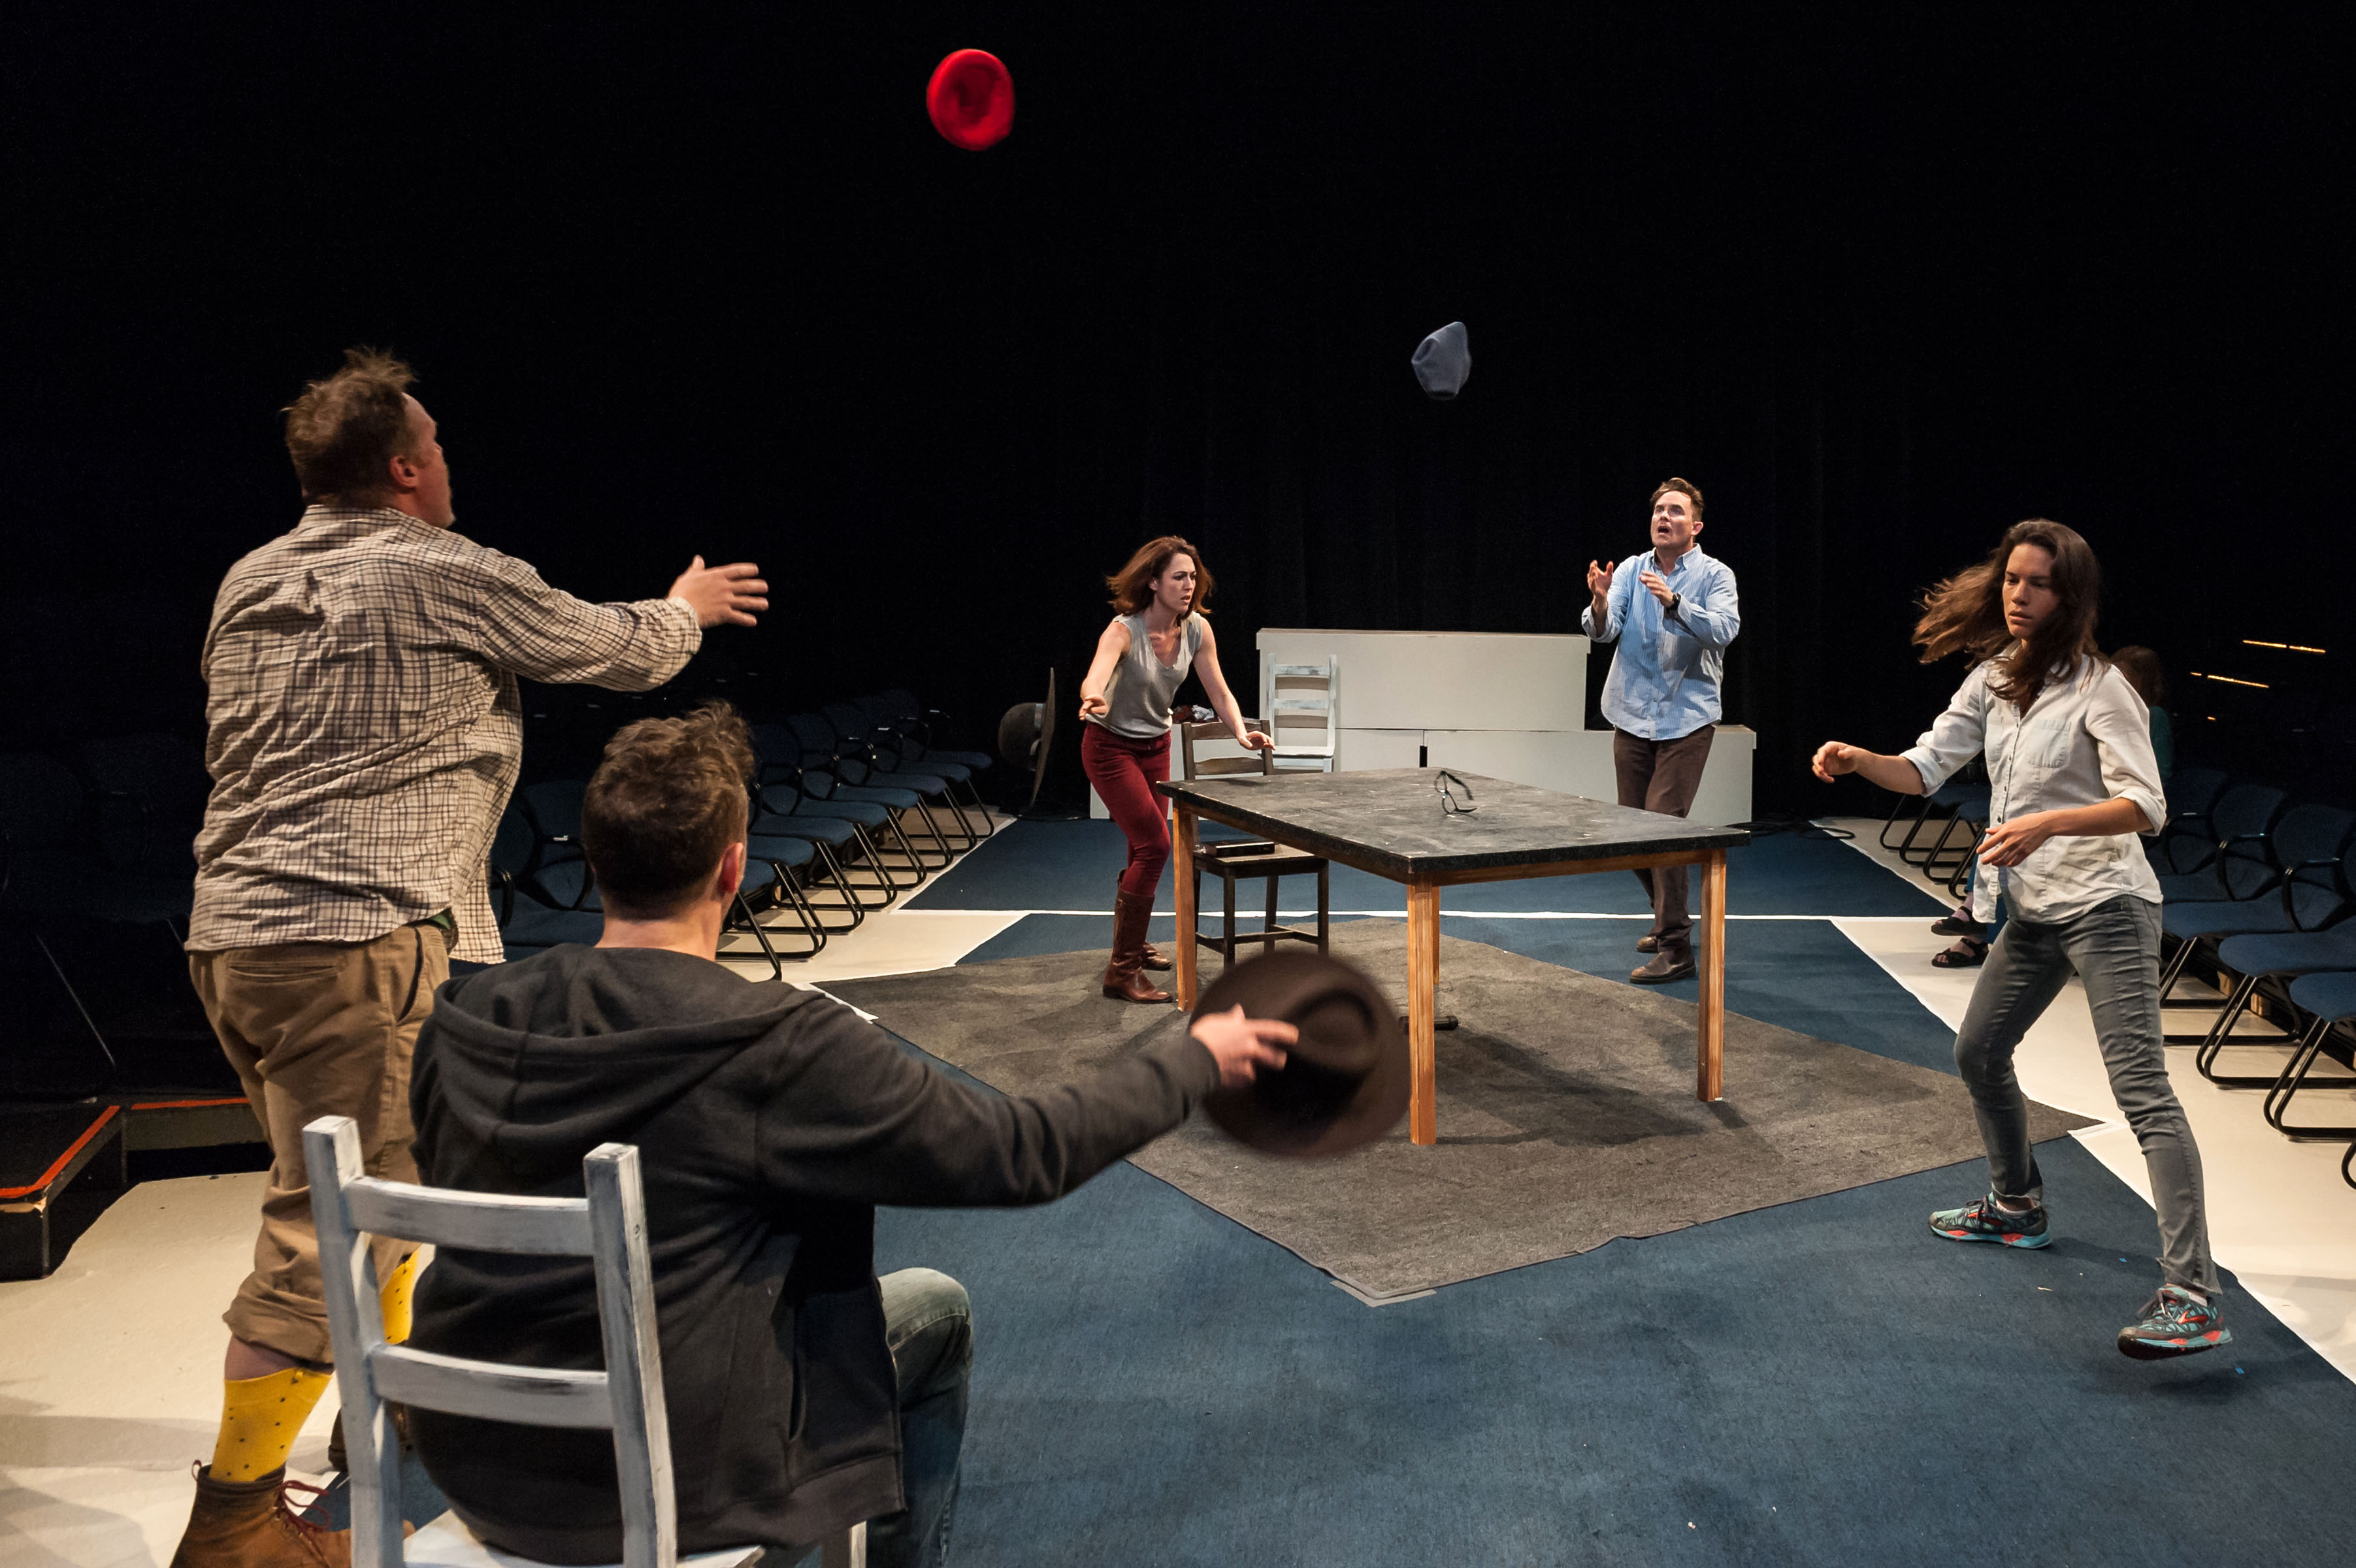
[1664, 675]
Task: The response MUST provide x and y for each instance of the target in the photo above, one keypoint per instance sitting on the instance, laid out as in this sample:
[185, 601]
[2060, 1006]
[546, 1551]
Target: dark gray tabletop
[1389, 822]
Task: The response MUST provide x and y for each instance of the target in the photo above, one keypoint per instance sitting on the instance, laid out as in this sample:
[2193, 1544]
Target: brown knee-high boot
[1121, 979]
[1154, 957]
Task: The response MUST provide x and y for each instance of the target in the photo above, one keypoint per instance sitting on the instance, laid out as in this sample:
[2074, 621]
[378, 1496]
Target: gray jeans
[2114, 948]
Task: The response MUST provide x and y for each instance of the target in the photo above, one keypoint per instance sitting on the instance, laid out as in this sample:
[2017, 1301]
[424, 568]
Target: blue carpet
[1798, 975]
[1072, 865]
[1823, 1383]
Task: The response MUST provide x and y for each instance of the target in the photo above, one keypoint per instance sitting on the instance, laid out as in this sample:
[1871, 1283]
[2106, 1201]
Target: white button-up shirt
[1664, 674]
[2085, 740]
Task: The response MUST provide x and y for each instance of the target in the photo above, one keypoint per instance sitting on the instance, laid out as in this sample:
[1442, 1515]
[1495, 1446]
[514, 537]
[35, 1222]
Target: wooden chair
[1233, 860]
[608, 1226]
[1303, 704]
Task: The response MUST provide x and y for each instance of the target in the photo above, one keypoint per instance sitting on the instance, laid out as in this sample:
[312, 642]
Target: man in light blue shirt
[1672, 610]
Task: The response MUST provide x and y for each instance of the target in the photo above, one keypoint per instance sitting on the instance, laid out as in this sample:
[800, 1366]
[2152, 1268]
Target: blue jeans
[930, 1323]
[2114, 948]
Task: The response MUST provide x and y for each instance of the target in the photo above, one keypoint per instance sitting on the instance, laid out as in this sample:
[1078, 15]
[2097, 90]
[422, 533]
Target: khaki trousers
[1664, 775]
[319, 1029]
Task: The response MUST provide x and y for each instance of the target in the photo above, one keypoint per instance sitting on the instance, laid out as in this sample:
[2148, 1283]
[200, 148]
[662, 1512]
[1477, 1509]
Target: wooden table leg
[1422, 984]
[1710, 1074]
[1182, 862]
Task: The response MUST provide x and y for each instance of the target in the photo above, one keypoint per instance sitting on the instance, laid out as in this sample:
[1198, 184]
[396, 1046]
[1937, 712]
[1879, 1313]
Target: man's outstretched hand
[1243, 1045]
[722, 596]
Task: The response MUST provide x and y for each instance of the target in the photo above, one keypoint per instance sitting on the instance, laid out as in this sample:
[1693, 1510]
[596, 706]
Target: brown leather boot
[1154, 957]
[247, 1524]
[1121, 979]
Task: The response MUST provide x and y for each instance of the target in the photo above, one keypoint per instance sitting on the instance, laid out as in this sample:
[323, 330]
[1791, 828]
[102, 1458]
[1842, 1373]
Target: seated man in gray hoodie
[804, 1394]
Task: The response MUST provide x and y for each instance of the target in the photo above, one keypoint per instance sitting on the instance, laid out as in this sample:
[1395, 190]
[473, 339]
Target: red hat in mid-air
[972, 100]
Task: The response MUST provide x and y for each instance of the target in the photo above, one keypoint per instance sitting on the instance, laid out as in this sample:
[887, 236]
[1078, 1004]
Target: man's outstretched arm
[859, 1121]
[507, 612]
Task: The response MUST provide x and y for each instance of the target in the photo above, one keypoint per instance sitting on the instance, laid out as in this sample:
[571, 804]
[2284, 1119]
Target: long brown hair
[1966, 613]
[1132, 585]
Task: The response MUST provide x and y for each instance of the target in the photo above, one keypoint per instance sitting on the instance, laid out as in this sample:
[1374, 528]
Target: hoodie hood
[543, 1060]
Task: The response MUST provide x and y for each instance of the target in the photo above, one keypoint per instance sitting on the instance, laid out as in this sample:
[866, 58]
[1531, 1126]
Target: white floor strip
[113, 1380]
[2279, 1215]
[1401, 914]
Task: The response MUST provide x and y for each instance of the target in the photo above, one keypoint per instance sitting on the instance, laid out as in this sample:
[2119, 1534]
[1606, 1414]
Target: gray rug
[1566, 1114]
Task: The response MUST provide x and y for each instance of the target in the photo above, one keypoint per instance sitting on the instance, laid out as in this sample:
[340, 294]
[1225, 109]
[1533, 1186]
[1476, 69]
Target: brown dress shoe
[1122, 976]
[1663, 968]
[247, 1524]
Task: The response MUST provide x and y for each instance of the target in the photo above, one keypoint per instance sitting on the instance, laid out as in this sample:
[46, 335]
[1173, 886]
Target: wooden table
[1390, 821]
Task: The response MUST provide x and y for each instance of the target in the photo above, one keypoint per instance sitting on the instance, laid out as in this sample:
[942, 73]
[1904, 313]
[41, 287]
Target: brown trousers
[319, 1029]
[1664, 775]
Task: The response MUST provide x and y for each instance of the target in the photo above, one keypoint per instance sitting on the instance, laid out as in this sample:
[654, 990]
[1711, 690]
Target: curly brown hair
[346, 427]
[1965, 614]
[1132, 585]
[664, 806]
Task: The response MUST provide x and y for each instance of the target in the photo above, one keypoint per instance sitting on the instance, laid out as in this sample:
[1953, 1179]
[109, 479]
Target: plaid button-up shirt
[365, 728]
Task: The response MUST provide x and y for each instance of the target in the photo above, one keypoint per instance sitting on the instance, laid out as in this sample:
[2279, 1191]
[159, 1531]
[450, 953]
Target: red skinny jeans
[1124, 772]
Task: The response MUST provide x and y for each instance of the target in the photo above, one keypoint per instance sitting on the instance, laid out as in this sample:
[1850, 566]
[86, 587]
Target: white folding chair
[610, 1228]
[1303, 704]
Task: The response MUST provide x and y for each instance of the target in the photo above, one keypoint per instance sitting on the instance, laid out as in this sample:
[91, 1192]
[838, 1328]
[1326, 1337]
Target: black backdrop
[1882, 280]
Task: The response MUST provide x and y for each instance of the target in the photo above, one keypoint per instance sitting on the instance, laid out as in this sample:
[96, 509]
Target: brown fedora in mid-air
[1344, 1083]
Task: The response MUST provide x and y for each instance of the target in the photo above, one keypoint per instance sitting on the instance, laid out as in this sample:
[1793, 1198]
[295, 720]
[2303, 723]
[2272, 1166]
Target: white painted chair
[1303, 704]
[609, 1226]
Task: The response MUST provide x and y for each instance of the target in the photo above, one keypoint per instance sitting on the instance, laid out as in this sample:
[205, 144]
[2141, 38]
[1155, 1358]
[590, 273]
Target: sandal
[1969, 953]
[1958, 924]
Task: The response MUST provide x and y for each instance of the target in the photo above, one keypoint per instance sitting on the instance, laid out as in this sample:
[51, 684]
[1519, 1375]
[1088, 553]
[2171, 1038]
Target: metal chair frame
[2293, 1078]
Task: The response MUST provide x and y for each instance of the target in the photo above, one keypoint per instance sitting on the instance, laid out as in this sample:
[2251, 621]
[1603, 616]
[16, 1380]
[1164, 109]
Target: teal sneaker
[1985, 1221]
[2174, 1323]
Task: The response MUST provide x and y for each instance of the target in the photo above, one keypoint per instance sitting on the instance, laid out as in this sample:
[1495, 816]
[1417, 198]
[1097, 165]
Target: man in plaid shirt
[365, 732]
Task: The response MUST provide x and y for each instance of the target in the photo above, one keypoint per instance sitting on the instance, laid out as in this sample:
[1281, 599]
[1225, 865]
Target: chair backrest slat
[475, 1221]
[626, 1311]
[1194, 766]
[491, 1391]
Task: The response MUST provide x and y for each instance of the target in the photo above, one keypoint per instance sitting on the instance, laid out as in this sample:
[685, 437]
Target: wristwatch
[1674, 600]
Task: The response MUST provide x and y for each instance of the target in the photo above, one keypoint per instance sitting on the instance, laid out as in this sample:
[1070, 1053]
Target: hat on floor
[1443, 360]
[1343, 1082]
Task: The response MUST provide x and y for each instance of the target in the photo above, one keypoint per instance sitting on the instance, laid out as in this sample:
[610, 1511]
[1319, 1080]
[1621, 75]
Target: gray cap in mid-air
[1442, 361]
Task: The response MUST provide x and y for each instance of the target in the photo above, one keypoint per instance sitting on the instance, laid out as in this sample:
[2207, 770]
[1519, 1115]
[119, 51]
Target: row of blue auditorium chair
[2257, 881]
[850, 807]
[1958, 811]
[97, 871]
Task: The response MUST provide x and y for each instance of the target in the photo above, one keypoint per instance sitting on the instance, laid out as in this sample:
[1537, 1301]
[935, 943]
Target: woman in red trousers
[1158, 636]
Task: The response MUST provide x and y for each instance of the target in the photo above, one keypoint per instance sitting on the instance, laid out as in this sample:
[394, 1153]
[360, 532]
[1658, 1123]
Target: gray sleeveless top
[1142, 686]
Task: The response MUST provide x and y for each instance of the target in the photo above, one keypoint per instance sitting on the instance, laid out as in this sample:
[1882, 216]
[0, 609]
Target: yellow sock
[259, 1419]
[395, 1299]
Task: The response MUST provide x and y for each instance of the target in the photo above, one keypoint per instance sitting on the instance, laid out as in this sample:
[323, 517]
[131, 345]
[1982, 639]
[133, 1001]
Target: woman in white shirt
[2072, 782]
